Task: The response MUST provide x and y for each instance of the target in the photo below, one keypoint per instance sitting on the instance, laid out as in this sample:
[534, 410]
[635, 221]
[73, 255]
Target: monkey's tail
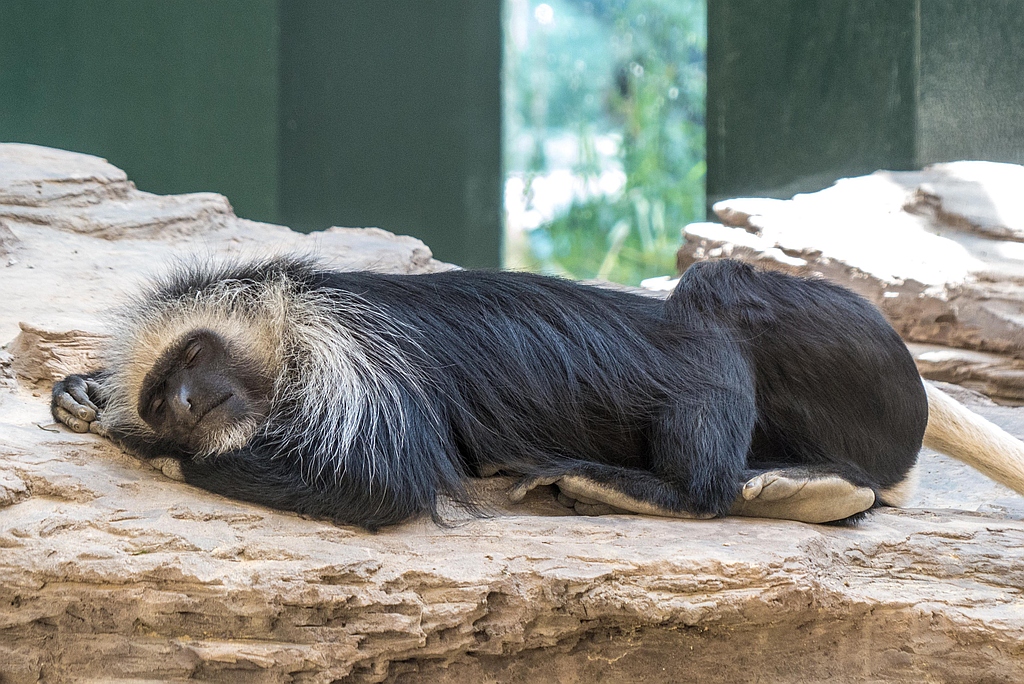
[958, 432]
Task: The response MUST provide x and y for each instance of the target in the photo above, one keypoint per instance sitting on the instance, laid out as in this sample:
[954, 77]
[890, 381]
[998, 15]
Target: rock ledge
[113, 572]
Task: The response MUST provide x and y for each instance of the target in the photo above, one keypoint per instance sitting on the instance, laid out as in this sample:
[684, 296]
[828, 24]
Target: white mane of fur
[324, 350]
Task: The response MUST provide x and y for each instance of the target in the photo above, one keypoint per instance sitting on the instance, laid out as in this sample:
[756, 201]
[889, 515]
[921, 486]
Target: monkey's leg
[597, 489]
[802, 494]
[698, 447]
[786, 494]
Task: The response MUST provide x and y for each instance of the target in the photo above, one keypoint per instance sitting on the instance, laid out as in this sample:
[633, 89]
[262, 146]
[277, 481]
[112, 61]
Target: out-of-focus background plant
[604, 134]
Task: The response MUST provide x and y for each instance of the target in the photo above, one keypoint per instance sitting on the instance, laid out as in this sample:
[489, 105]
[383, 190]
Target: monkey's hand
[73, 403]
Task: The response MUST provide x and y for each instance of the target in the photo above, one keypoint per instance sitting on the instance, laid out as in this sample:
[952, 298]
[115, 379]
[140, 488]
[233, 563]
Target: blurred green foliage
[631, 69]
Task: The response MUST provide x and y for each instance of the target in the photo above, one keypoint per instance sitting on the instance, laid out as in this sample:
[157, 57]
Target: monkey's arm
[275, 481]
[76, 403]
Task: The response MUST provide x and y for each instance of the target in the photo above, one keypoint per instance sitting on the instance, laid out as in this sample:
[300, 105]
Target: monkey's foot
[589, 497]
[582, 505]
[796, 496]
[527, 485]
[487, 470]
[587, 506]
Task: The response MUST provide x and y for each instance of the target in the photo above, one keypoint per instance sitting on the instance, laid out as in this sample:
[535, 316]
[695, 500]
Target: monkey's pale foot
[528, 484]
[782, 495]
[594, 498]
[585, 506]
[170, 467]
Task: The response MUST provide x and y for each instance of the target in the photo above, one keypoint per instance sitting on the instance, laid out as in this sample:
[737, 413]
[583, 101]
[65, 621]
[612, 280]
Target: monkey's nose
[182, 400]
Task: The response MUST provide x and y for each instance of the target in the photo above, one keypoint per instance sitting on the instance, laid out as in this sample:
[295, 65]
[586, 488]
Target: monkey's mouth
[213, 418]
[220, 402]
[213, 421]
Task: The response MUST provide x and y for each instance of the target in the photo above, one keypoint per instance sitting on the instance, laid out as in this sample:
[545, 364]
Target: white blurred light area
[534, 199]
[544, 14]
[551, 194]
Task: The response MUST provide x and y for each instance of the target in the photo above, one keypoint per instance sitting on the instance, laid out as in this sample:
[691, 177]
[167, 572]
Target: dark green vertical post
[391, 116]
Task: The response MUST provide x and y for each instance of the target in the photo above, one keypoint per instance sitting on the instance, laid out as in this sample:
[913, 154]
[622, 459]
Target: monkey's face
[204, 396]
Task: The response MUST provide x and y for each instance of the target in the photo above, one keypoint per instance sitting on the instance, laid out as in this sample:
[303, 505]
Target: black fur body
[674, 401]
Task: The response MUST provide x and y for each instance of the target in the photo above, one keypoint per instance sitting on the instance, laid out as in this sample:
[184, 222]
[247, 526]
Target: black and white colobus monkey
[363, 397]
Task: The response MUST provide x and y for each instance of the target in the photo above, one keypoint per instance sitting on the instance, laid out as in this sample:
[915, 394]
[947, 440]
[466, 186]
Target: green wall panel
[181, 94]
[972, 81]
[802, 92]
[391, 114]
[312, 114]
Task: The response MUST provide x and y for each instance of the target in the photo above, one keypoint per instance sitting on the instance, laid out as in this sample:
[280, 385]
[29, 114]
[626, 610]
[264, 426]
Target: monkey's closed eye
[192, 351]
[156, 404]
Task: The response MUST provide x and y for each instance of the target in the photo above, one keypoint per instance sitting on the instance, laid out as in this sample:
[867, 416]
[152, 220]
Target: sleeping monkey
[363, 398]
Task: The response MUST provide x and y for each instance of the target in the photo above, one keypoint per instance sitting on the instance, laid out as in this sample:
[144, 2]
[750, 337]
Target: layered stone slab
[110, 571]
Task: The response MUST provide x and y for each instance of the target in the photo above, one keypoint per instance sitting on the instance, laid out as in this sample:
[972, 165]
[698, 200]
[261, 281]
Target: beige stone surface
[940, 251]
[111, 572]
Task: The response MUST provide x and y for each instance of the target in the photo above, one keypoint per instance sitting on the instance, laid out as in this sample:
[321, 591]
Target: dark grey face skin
[198, 390]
